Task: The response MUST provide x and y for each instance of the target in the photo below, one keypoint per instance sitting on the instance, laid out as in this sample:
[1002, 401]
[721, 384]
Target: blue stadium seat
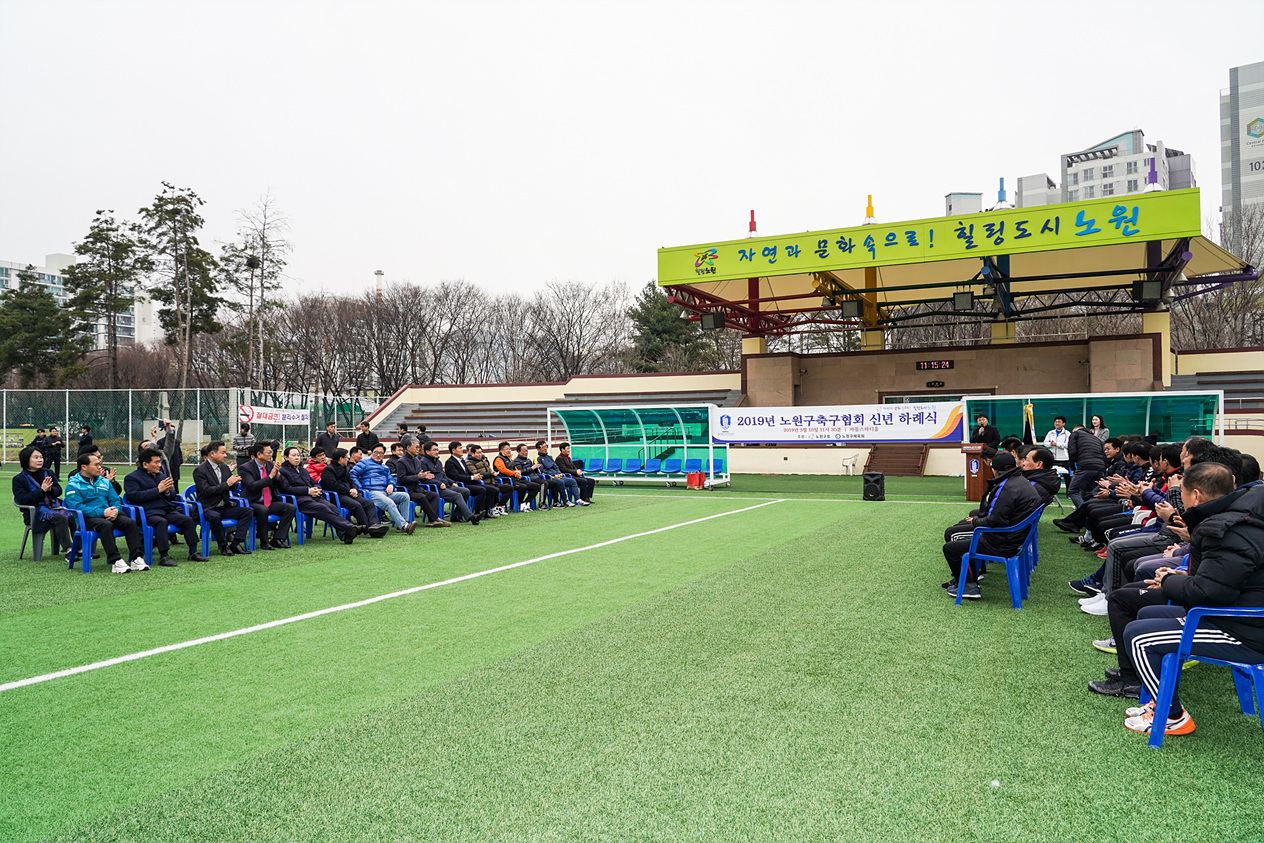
[693, 465]
[614, 465]
[651, 466]
[631, 465]
[717, 466]
[594, 465]
[671, 466]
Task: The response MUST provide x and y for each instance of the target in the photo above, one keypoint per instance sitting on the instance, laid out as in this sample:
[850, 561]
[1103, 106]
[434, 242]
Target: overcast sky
[514, 143]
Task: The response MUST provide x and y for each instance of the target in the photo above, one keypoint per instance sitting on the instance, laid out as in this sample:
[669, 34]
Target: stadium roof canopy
[1016, 263]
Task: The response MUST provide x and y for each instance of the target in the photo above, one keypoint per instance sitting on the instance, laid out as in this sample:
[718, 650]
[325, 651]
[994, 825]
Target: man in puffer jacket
[1038, 468]
[1008, 500]
[1088, 462]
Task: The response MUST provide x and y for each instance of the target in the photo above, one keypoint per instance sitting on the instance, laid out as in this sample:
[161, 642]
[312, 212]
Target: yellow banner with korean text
[1099, 222]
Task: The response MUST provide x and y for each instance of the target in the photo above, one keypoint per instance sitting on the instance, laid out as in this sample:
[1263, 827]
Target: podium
[978, 472]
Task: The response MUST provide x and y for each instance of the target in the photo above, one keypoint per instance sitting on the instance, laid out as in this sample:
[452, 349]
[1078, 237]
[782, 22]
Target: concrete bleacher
[505, 412]
[1244, 391]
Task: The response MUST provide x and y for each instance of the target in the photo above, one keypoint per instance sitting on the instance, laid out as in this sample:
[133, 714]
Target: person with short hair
[366, 440]
[567, 466]
[354, 454]
[53, 443]
[85, 438]
[985, 433]
[549, 469]
[328, 439]
[1008, 499]
[374, 479]
[336, 478]
[1088, 461]
[169, 447]
[215, 483]
[551, 488]
[1037, 466]
[413, 475]
[242, 443]
[152, 490]
[261, 486]
[480, 466]
[485, 496]
[1057, 440]
[311, 498]
[504, 466]
[91, 493]
[316, 463]
[36, 486]
[449, 490]
[397, 451]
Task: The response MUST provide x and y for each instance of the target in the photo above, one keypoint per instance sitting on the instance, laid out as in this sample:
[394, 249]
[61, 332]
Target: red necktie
[267, 492]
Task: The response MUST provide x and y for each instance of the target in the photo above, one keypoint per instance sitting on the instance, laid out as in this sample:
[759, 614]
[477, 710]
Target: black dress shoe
[475, 519]
[226, 551]
[1116, 688]
[264, 545]
[166, 562]
[1064, 524]
[348, 535]
[280, 544]
[238, 549]
[197, 557]
[378, 531]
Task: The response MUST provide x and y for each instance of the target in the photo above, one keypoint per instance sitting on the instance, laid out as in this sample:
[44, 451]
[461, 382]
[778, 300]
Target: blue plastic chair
[594, 465]
[651, 466]
[693, 465]
[204, 526]
[1017, 567]
[614, 465]
[717, 467]
[86, 538]
[1243, 674]
[632, 465]
[671, 466]
[148, 531]
[254, 523]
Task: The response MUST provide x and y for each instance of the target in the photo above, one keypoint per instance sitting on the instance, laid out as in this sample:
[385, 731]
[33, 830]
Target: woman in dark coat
[35, 486]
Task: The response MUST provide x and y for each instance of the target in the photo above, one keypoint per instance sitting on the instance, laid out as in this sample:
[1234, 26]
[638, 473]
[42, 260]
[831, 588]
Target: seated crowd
[1175, 525]
[355, 492]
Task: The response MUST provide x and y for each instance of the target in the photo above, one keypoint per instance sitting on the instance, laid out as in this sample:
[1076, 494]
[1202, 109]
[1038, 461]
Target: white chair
[849, 464]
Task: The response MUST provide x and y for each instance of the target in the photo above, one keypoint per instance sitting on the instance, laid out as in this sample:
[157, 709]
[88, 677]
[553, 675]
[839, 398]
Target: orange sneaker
[1182, 725]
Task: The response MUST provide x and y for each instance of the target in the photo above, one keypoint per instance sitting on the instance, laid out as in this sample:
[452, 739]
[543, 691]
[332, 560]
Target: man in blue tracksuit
[550, 469]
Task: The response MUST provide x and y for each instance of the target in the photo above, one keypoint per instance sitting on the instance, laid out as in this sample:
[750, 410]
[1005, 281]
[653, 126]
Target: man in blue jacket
[89, 492]
[152, 490]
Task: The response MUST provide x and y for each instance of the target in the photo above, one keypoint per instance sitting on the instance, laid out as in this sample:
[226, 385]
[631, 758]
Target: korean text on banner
[272, 415]
[932, 422]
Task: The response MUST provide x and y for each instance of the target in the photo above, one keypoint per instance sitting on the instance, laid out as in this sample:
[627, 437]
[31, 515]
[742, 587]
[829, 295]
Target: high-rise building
[1124, 164]
[1242, 138]
[136, 325]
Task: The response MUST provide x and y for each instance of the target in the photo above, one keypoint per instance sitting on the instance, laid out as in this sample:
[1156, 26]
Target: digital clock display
[936, 365]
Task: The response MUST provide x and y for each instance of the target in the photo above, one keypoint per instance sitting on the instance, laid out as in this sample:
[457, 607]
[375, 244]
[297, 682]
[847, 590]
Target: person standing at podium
[985, 433]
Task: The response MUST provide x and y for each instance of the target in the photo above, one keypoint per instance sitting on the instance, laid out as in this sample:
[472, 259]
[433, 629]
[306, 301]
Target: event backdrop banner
[932, 422]
[272, 415]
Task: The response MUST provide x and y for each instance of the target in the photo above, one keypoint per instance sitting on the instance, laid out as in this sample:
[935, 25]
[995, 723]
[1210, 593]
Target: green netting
[644, 433]
[1174, 416]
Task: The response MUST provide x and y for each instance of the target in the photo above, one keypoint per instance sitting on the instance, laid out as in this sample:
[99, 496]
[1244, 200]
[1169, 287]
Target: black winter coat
[1226, 561]
[1009, 500]
[1085, 451]
[1046, 482]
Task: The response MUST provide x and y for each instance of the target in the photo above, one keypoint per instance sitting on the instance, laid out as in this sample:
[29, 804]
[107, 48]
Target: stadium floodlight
[712, 321]
[849, 309]
[1151, 290]
[963, 301]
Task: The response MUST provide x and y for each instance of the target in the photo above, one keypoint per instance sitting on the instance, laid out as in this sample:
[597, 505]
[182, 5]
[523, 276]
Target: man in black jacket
[566, 466]
[486, 497]
[411, 475]
[328, 440]
[295, 481]
[432, 472]
[1226, 569]
[152, 490]
[215, 483]
[1008, 500]
[337, 478]
[985, 433]
[367, 440]
[51, 450]
[262, 490]
[1088, 461]
[85, 440]
[1038, 468]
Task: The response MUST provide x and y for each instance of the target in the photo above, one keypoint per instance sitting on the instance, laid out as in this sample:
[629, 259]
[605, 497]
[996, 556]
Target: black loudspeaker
[875, 486]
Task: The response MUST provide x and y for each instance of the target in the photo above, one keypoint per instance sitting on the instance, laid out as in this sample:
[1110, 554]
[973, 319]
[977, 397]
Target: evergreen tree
[661, 340]
[39, 340]
[113, 260]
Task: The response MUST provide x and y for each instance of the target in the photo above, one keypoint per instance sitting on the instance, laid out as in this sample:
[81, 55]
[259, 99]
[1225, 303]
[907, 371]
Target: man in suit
[367, 439]
[336, 477]
[411, 475]
[214, 482]
[152, 490]
[262, 490]
[985, 433]
[448, 490]
[486, 496]
[53, 444]
[296, 481]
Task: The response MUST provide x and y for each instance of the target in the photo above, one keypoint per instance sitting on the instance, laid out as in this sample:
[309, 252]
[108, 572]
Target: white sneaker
[1096, 607]
[524, 509]
[138, 564]
[570, 503]
[120, 567]
[585, 503]
[1092, 598]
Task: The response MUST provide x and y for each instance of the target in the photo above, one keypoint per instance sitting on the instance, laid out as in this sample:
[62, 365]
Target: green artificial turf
[793, 672]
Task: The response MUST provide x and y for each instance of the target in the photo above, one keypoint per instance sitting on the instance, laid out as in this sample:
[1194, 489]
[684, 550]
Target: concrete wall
[1217, 361]
[791, 460]
[1116, 364]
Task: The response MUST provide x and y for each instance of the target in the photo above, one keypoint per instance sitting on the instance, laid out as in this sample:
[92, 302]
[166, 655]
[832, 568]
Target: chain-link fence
[121, 419]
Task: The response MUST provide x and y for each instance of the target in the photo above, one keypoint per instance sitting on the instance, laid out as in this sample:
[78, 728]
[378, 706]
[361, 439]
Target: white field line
[20, 683]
